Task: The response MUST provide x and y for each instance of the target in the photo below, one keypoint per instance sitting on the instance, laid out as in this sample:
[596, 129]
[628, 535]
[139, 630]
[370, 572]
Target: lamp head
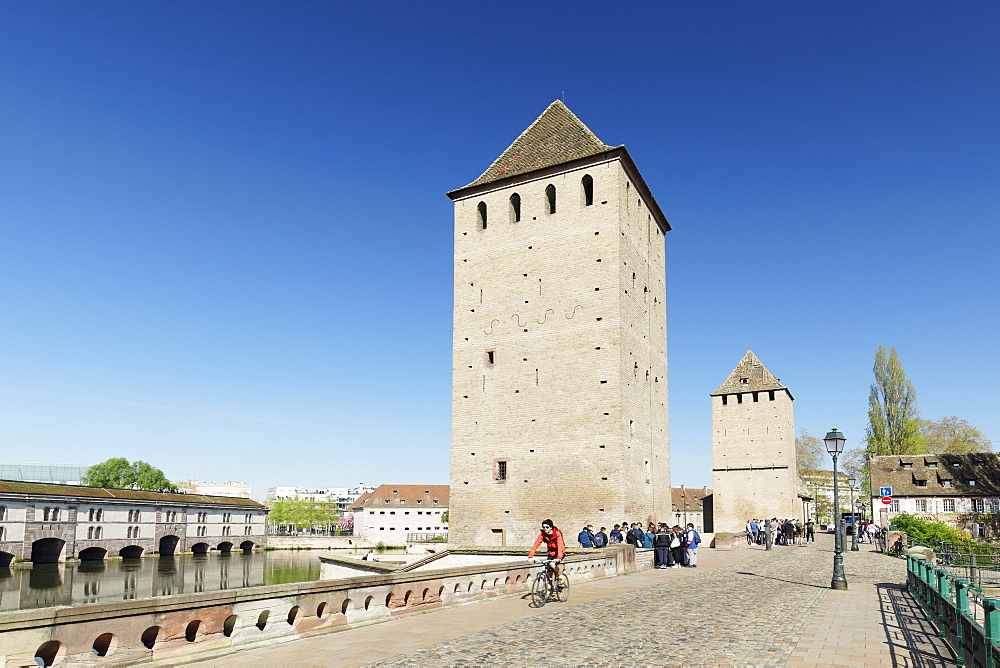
[834, 441]
[852, 482]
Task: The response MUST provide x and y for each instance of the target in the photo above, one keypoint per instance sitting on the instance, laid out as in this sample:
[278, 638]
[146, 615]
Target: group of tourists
[783, 532]
[868, 529]
[675, 546]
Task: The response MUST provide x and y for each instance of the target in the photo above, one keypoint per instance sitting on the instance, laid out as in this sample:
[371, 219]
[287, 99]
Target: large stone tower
[753, 448]
[560, 341]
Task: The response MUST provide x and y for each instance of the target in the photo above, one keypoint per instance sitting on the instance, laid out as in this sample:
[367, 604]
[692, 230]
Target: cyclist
[554, 546]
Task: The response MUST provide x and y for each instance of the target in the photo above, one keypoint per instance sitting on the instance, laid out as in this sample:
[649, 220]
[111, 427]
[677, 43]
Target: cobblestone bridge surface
[741, 608]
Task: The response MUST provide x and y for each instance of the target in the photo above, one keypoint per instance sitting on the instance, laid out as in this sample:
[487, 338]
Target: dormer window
[744, 381]
[921, 483]
[907, 465]
[972, 483]
[946, 483]
[932, 465]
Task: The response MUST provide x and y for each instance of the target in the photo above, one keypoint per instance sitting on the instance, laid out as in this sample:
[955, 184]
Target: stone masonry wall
[574, 401]
[753, 459]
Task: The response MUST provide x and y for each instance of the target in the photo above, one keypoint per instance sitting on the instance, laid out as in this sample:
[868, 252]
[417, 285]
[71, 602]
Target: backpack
[697, 538]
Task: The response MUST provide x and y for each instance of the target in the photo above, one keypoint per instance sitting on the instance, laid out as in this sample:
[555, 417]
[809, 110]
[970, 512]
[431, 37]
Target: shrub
[929, 533]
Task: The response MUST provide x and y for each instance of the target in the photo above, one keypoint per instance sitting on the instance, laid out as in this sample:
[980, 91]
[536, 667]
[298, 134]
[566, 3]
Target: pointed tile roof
[750, 375]
[557, 136]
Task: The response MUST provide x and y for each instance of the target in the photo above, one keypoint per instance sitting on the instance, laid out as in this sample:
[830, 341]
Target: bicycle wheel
[562, 588]
[539, 590]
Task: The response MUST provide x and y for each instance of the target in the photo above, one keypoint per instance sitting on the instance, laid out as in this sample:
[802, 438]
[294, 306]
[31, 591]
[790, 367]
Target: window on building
[894, 506]
[907, 465]
[100, 514]
[90, 531]
[587, 183]
[972, 483]
[500, 470]
[921, 483]
[946, 483]
[55, 514]
[515, 208]
[550, 198]
[921, 505]
[490, 357]
[948, 506]
[481, 215]
[978, 505]
[956, 464]
[99, 533]
[932, 465]
[995, 505]
[91, 517]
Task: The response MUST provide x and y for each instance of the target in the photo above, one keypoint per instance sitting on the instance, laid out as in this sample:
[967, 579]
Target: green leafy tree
[893, 418]
[117, 472]
[304, 514]
[953, 435]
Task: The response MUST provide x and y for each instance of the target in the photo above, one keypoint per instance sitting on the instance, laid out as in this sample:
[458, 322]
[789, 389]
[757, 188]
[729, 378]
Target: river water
[85, 582]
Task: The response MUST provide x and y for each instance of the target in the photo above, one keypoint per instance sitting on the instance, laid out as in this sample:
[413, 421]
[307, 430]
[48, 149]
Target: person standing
[662, 544]
[647, 538]
[586, 539]
[600, 538]
[810, 531]
[677, 546]
[691, 542]
[616, 534]
[630, 536]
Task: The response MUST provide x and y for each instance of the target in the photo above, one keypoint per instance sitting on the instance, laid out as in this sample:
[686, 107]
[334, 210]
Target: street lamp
[854, 534]
[834, 442]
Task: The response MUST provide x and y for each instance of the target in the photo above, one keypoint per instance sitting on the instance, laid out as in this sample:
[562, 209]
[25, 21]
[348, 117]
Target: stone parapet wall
[188, 626]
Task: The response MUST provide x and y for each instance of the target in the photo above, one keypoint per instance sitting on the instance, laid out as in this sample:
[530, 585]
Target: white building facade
[396, 514]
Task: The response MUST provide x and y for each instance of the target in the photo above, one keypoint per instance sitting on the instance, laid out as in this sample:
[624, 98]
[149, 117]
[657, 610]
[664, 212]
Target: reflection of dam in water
[85, 582]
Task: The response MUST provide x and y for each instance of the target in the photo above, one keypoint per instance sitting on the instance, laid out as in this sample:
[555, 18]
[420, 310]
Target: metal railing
[980, 565]
[966, 619]
[434, 537]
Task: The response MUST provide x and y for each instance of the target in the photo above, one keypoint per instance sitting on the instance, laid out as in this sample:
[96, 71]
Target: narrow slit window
[550, 198]
[490, 357]
[588, 189]
[515, 208]
[481, 209]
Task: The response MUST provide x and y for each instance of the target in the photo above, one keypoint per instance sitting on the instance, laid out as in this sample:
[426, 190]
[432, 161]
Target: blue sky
[225, 246]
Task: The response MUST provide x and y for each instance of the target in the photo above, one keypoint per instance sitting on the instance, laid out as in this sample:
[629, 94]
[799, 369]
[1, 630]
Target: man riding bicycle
[553, 539]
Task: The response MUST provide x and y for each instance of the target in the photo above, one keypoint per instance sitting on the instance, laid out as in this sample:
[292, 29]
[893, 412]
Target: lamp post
[834, 442]
[851, 482]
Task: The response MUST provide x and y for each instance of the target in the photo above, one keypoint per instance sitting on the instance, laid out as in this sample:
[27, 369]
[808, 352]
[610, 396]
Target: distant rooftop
[42, 472]
[109, 494]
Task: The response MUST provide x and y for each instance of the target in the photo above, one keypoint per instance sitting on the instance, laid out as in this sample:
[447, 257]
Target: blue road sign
[885, 491]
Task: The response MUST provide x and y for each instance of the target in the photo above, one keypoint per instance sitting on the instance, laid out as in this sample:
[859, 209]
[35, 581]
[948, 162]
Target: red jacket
[553, 544]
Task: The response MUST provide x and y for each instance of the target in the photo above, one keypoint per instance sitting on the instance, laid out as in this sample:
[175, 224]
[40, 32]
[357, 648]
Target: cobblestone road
[746, 607]
[752, 612]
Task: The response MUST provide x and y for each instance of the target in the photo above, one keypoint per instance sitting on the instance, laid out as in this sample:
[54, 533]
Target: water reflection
[126, 579]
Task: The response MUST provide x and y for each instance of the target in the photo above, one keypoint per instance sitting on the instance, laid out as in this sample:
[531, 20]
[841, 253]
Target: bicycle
[545, 587]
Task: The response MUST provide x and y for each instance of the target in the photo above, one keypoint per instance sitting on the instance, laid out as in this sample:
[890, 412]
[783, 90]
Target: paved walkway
[744, 607]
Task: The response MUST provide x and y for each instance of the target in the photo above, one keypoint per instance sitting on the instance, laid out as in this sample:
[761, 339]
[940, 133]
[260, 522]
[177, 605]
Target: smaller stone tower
[753, 448]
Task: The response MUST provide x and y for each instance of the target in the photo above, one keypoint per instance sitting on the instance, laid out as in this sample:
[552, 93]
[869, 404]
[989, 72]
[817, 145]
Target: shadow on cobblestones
[752, 612]
[911, 639]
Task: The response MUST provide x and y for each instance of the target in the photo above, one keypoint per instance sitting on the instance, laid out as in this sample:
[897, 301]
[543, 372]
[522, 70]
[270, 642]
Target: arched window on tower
[550, 198]
[515, 208]
[588, 189]
[482, 215]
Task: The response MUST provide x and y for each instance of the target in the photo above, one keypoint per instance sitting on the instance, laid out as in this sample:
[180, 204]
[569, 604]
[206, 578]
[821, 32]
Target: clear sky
[225, 246]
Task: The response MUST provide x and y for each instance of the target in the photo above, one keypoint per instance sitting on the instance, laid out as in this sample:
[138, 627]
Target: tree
[346, 522]
[304, 514]
[953, 435]
[893, 418]
[117, 472]
[810, 453]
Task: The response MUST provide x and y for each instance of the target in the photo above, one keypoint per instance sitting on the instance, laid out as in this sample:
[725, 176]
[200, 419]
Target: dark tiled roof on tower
[750, 375]
[557, 136]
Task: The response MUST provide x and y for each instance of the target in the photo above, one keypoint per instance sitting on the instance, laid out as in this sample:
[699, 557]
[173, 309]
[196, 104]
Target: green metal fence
[966, 619]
